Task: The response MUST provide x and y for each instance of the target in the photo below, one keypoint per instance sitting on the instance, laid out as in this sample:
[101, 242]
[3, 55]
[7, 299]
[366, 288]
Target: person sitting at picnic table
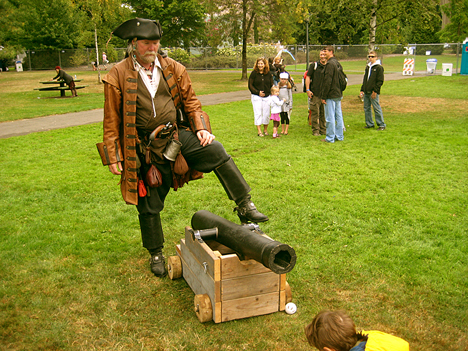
[67, 78]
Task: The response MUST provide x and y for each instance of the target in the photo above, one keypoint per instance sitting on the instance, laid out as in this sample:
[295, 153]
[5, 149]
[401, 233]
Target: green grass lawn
[378, 223]
[20, 100]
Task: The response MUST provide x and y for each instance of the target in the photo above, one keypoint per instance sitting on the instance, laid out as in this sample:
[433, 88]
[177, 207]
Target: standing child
[285, 93]
[335, 331]
[276, 105]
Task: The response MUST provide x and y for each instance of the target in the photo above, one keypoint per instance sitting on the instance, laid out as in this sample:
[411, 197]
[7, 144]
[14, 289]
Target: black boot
[247, 212]
[153, 240]
[158, 264]
[238, 190]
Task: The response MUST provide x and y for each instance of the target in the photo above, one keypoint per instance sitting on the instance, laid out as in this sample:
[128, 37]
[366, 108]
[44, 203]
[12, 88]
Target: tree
[59, 24]
[457, 30]
[369, 21]
[45, 24]
[182, 21]
[100, 17]
[253, 20]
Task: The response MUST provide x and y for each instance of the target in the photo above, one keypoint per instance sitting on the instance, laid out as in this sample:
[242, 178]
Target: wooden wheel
[203, 308]
[288, 292]
[174, 267]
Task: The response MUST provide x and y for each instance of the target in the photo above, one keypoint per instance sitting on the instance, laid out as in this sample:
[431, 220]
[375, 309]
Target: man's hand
[310, 94]
[324, 102]
[205, 137]
[116, 168]
[373, 95]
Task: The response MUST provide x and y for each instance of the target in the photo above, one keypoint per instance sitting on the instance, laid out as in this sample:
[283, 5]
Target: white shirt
[152, 83]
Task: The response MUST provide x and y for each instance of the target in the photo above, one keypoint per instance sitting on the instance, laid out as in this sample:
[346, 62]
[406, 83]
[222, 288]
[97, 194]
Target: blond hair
[274, 89]
[287, 84]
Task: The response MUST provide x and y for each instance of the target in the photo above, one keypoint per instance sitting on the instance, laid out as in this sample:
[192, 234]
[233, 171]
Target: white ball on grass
[290, 308]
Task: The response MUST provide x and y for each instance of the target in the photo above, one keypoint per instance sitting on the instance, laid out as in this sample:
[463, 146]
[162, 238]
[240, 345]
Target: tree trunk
[373, 25]
[244, 40]
[255, 29]
[97, 54]
[245, 34]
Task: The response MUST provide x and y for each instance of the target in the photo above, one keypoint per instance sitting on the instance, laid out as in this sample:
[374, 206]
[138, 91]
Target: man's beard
[148, 57]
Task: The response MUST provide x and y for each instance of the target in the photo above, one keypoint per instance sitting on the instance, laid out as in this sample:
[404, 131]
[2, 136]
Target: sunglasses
[370, 56]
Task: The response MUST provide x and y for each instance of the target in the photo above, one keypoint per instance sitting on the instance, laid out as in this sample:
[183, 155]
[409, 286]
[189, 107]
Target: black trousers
[203, 159]
[284, 118]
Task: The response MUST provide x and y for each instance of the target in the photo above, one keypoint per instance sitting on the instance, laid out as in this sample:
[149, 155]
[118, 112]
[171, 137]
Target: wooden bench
[62, 86]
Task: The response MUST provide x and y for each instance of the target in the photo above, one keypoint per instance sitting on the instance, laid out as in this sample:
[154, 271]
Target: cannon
[246, 241]
[235, 271]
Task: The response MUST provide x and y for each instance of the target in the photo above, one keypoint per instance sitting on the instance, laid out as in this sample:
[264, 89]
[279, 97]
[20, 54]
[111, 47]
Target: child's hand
[284, 100]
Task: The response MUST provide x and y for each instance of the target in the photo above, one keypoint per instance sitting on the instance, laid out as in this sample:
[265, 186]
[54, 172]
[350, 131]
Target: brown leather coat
[120, 134]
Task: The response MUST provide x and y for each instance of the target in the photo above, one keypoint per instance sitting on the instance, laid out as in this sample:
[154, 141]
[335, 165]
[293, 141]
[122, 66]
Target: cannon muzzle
[278, 257]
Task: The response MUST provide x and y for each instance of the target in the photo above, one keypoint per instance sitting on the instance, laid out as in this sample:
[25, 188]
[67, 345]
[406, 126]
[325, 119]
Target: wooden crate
[234, 288]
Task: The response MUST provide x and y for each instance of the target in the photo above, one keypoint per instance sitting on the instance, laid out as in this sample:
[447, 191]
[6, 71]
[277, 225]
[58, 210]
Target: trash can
[19, 66]
[431, 66]
[447, 69]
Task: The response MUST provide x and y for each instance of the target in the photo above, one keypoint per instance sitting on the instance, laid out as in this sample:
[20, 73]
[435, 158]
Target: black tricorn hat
[139, 28]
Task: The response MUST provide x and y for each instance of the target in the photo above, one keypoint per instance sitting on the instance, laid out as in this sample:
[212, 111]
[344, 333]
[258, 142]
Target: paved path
[40, 124]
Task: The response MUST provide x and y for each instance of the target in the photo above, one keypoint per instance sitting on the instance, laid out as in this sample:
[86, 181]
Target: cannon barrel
[278, 257]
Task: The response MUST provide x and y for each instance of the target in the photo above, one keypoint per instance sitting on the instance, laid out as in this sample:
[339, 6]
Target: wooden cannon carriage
[226, 287]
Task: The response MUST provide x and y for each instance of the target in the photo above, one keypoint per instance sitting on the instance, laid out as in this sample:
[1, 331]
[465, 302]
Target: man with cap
[150, 113]
[62, 75]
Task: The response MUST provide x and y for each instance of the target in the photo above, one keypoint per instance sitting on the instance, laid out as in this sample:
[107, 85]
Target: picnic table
[61, 86]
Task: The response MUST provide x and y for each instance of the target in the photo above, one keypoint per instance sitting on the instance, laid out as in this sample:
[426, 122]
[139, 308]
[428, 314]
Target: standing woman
[260, 83]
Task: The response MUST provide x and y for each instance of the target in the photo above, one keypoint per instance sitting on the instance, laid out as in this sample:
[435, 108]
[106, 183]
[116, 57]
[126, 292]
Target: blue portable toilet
[464, 60]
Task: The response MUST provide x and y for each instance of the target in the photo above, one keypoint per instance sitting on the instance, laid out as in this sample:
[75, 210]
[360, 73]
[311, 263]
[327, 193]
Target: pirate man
[156, 135]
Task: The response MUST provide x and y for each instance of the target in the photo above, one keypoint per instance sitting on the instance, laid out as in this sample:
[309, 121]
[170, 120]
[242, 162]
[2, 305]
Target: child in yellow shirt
[335, 331]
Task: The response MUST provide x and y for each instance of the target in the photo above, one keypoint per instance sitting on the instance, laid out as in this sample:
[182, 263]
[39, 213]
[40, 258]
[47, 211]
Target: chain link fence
[207, 58]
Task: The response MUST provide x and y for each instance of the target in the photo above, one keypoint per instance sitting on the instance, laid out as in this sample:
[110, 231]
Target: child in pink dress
[275, 104]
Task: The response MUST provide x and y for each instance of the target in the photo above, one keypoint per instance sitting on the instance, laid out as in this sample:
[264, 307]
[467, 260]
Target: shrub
[80, 57]
[357, 51]
[179, 55]
[434, 49]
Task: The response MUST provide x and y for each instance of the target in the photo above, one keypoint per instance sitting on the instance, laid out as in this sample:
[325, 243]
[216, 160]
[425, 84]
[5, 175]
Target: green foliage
[266, 50]
[47, 24]
[182, 21]
[434, 49]
[8, 53]
[457, 30]
[422, 22]
[347, 21]
[59, 24]
[217, 62]
[179, 55]
[79, 58]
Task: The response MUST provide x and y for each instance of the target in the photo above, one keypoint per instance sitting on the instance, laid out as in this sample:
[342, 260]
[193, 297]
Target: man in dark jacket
[331, 97]
[62, 75]
[370, 91]
[313, 83]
